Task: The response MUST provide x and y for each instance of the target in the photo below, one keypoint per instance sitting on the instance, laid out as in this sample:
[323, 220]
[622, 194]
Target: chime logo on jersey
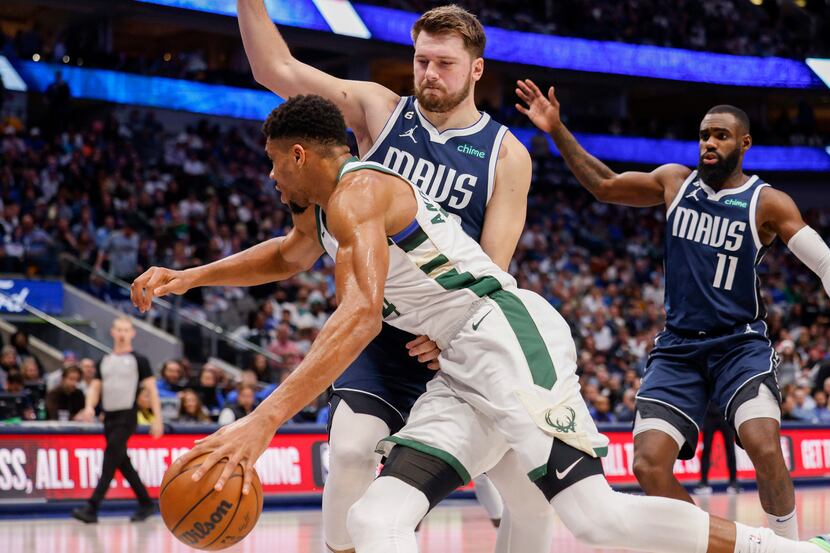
[440, 182]
[710, 230]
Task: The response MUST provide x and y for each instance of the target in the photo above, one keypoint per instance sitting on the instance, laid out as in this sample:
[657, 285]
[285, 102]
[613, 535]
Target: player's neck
[328, 178]
[120, 349]
[463, 115]
[735, 180]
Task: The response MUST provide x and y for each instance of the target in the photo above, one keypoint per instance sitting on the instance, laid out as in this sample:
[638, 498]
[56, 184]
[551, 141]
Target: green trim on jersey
[357, 165]
[822, 542]
[318, 212]
[530, 340]
[453, 280]
[434, 263]
[414, 240]
[435, 452]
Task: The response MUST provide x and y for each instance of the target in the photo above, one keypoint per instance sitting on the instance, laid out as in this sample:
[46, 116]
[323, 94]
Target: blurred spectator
[249, 379]
[171, 381]
[87, 366]
[144, 407]
[66, 401]
[35, 385]
[803, 404]
[20, 341]
[121, 250]
[789, 367]
[601, 411]
[625, 411]
[191, 409]
[285, 348]
[14, 385]
[263, 370]
[244, 404]
[208, 390]
[57, 97]
[8, 359]
[820, 414]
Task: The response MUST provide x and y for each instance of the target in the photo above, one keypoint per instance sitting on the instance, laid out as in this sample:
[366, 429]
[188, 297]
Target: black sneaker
[143, 513]
[85, 514]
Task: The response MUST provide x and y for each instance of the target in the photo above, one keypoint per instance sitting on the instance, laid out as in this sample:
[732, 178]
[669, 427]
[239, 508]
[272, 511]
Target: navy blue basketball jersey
[712, 253]
[456, 167]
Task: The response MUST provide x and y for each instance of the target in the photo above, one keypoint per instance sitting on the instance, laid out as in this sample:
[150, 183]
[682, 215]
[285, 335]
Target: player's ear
[299, 154]
[478, 68]
[746, 143]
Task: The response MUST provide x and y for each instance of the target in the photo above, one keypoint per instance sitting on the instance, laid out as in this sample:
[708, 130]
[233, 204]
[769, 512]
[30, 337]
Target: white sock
[785, 526]
[764, 540]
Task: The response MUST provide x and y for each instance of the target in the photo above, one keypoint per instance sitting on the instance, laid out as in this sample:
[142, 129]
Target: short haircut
[307, 117]
[739, 115]
[123, 319]
[72, 369]
[453, 20]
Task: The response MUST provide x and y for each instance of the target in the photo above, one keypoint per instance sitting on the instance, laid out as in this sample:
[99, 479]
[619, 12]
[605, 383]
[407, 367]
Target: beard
[715, 175]
[442, 104]
[296, 209]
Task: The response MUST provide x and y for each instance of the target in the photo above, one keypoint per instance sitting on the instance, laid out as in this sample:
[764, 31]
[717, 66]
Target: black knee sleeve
[435, 478]
[566, 466]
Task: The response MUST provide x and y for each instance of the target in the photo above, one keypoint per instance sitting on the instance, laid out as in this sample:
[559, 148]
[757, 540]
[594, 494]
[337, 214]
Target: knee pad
[566, 466]
[432, 476]
[386, 515]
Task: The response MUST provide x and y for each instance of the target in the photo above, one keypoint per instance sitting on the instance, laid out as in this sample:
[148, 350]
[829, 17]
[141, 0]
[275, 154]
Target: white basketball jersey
[437, 273]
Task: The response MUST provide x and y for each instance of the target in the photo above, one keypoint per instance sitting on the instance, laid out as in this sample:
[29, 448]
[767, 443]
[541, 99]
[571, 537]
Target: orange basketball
[203, 518]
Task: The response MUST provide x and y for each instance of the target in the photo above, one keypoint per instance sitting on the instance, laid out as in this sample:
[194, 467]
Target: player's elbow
[369, 322]
[604, 192]
[273, 75]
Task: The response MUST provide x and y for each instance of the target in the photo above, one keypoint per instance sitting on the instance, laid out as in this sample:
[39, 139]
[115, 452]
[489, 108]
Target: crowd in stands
[123, 196]
[728, 26]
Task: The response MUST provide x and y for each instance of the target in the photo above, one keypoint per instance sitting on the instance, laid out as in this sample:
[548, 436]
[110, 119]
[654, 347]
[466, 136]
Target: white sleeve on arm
[808, 246]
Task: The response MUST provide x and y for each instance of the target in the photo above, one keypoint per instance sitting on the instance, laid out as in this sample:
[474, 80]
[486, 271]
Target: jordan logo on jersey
[410, 134]
[694, 194]
[440, 182]
[703, 228]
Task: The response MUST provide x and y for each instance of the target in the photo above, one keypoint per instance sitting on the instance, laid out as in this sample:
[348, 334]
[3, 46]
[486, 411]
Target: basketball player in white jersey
[449, 43]
[508, 363]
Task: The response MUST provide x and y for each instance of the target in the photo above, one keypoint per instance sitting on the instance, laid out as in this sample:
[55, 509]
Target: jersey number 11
[730, 273]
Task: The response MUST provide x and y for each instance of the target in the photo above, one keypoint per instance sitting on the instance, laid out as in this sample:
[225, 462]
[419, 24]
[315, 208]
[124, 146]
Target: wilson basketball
[203, 518]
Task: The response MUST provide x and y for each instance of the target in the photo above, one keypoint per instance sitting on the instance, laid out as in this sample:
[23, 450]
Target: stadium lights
[36, 57]
[65, 59]
[757, 2]
[168, 56]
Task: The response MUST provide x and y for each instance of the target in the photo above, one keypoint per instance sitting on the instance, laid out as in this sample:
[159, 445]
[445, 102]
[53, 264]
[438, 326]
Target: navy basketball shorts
[684, 373]
[384, 381]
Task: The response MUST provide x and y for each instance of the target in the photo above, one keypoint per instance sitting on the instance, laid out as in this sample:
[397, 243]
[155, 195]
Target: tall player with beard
[719, 223]
[480, 173]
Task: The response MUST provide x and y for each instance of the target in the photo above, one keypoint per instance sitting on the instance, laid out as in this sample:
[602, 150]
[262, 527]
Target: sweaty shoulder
[671, 176]
[362, 196]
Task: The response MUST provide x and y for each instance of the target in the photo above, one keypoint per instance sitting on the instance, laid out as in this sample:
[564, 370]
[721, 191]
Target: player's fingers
[230, 466]
[434, 366]
[523, 97]
[248, 467]
[534, 90]
[552, 96]
[521, 109]
[416, 342]
[163, 290]
[207, 464]
[187, 456]
[420, 349]
[524, 91]
[137, 288]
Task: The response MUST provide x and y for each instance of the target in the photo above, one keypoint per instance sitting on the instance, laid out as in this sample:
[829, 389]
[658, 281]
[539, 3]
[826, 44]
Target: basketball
[203, 518]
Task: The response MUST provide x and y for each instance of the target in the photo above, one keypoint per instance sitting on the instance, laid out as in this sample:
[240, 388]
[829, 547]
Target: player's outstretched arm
[778, 215]
[504, 219]
[275, 68]
[631, 188]
[357, 221]
[276, 259]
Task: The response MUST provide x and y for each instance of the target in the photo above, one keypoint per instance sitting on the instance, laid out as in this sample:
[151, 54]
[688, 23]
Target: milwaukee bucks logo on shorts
[569, 424]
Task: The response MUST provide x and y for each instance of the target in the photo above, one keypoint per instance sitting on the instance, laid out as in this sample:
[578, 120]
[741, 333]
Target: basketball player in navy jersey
[719, 223]
[479, 172]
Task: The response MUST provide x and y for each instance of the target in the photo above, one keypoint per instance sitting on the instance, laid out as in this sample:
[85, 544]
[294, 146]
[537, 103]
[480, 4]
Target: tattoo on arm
[589, 171]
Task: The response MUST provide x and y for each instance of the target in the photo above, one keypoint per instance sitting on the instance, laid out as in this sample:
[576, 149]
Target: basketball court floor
[453, 527]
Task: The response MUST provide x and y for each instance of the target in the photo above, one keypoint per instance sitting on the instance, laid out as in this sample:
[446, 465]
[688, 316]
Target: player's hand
[542, 112]
[157, 428]
[426, 351]
[241, 443]
[158, 281]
